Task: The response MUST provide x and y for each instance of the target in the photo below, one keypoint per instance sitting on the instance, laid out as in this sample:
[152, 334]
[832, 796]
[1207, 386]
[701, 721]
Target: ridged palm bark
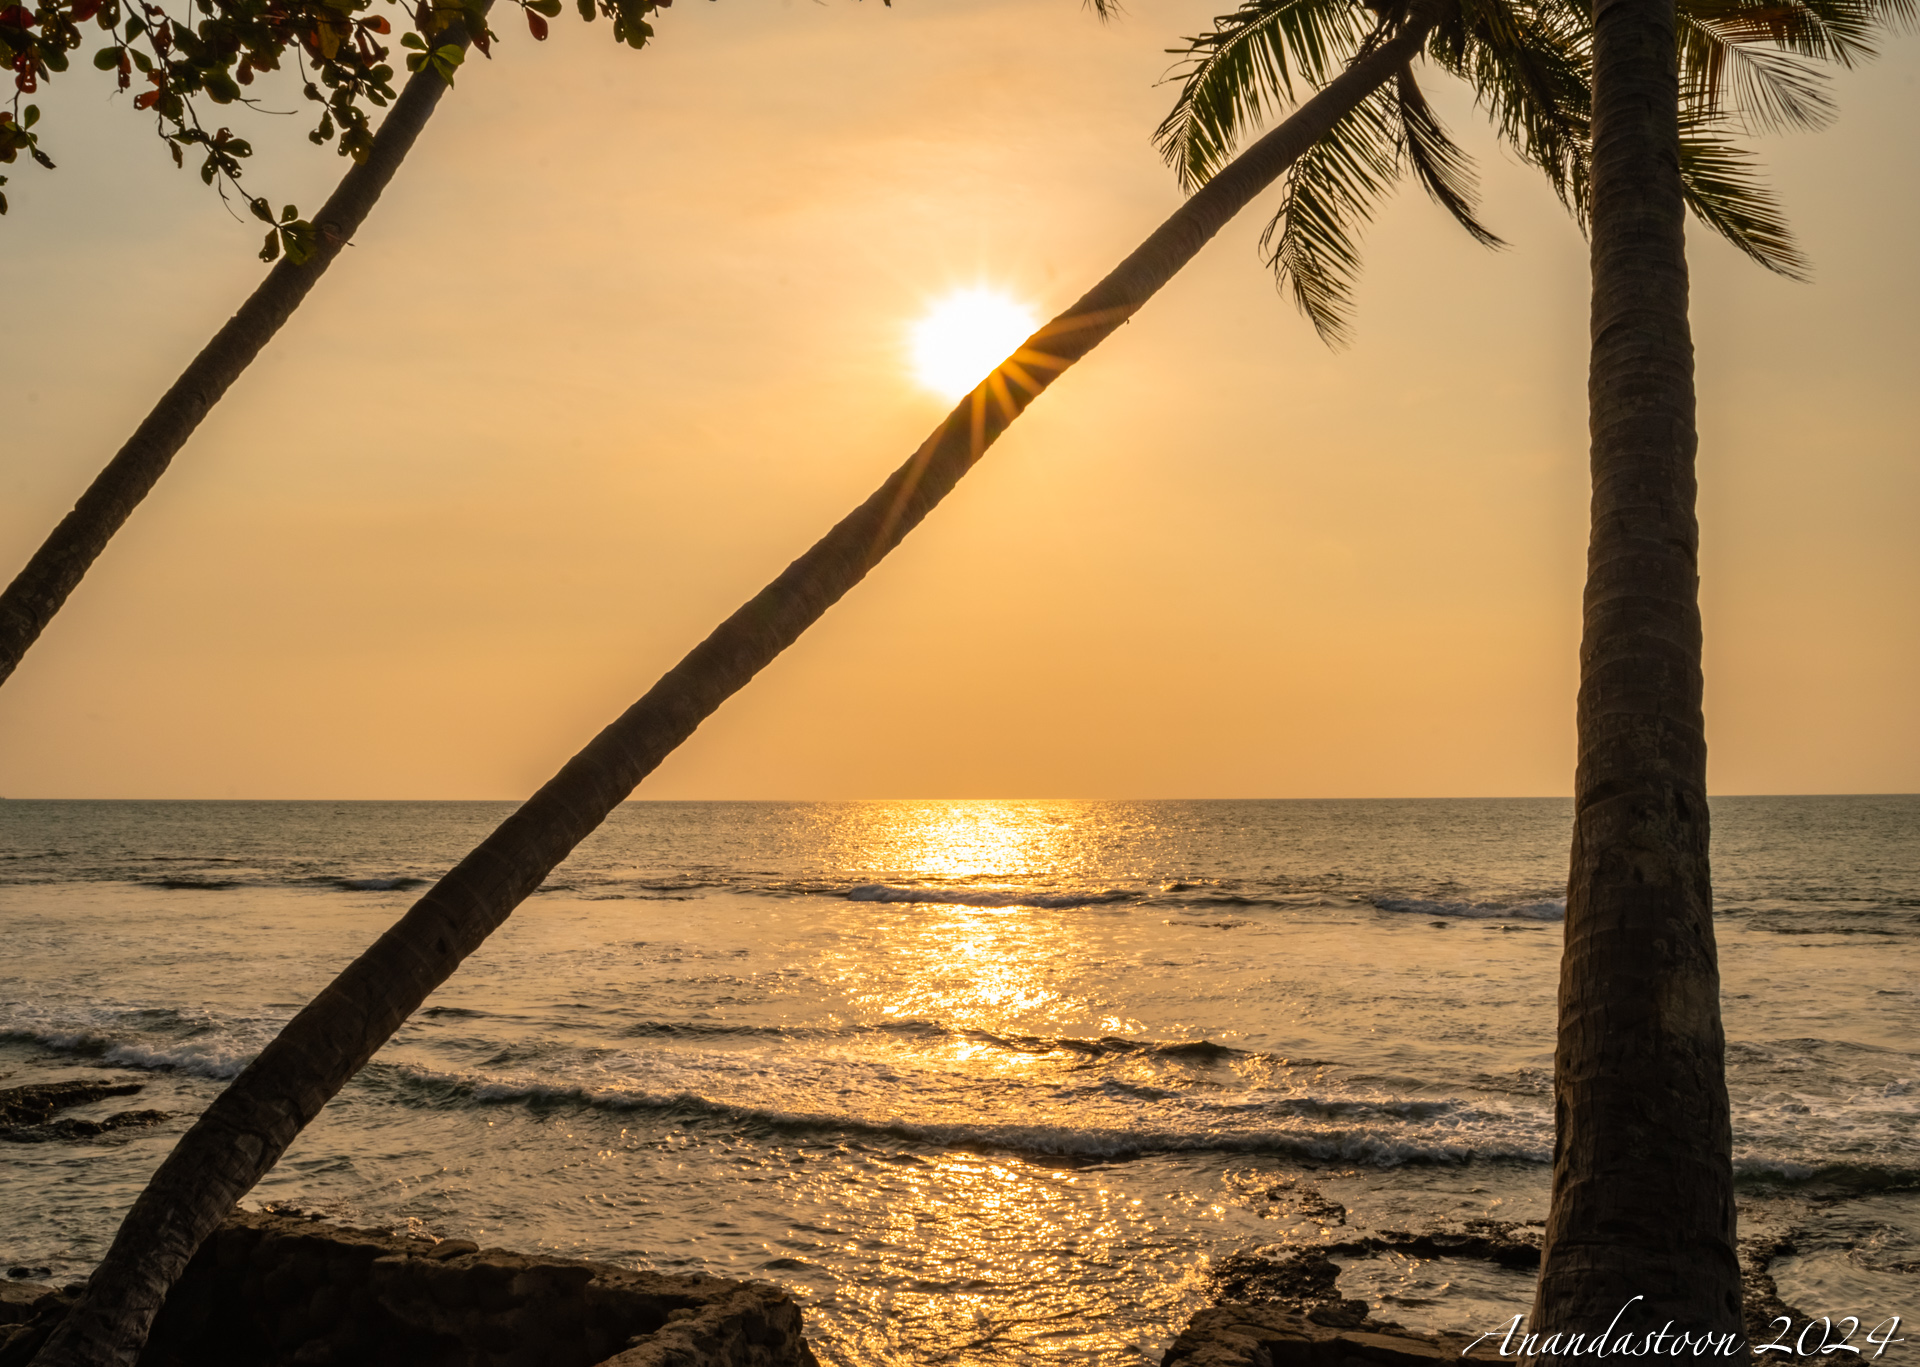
[1642, 1177]
[243, 1133]
[42, 587]
[1643, 1200]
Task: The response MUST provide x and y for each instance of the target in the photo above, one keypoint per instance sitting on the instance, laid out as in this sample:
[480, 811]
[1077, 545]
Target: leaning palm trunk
[1642, 1177]
[56, 569]
[240, 1137]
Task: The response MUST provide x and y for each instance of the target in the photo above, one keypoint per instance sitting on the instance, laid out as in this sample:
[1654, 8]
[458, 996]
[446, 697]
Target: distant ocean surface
[979, 1081]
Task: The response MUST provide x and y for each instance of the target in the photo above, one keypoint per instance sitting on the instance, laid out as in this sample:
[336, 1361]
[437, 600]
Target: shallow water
[978, 1080]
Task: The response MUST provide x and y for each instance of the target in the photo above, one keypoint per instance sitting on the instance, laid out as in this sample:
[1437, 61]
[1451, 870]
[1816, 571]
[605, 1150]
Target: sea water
[977, 1081]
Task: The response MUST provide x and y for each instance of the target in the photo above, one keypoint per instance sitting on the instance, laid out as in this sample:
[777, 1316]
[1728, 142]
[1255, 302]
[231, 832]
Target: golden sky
[630, 330]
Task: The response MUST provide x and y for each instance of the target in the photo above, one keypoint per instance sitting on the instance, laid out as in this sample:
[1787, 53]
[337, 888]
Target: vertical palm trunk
[240, 1137]
[1642, 1176]
[56, 569]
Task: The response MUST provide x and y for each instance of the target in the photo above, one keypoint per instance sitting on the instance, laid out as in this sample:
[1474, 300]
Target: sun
[964, 336]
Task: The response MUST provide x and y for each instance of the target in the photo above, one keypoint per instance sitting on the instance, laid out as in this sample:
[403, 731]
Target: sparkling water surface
[978, 1081]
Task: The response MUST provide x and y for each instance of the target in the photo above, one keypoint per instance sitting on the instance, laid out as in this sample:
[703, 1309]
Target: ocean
[977, 1081]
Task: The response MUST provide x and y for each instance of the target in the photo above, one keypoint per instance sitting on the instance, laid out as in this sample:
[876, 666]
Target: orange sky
[630, 330]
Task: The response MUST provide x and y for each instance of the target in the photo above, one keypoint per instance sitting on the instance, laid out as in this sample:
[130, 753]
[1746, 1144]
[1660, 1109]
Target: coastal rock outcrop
[27, 1113]
[1240, 1335]
[272, 1289]
[1283, 1308]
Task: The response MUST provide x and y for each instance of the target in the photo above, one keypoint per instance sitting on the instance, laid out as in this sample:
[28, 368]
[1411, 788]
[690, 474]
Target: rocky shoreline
[287, 1289]
[1283, 1307]
[272, 1289]
[27, 1113]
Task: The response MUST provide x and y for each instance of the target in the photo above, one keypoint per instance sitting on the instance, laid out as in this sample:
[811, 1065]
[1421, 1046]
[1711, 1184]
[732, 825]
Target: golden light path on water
[970, 964]
[979, 1082]
[964, 1230]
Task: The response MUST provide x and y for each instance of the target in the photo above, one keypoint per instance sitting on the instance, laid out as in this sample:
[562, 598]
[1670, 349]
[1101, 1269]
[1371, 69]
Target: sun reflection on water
[996, 1258]
[966, 966]
[976, 842]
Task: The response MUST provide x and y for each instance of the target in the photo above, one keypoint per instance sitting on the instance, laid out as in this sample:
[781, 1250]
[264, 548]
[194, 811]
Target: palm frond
[1839, 31]
[1312, 242]
[1439, 164]
[1528, 65]
[1772, 89]
[1724, 190]
[1243, 69]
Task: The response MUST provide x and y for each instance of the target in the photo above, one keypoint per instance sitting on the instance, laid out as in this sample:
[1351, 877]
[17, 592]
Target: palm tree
[1643, 1193]
[1642, 1176]
[1529, 65]
[55, 570]
[243, 1133]
[240, 1137]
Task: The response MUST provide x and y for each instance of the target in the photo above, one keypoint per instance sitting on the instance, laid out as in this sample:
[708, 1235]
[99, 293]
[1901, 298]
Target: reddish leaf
[146, 99]
[84, 10]
[378, 23]
[537, 26]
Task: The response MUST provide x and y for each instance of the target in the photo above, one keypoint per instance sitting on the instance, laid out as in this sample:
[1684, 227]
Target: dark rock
[1762, 1309]
[1340, 1314]
[1285, 1310]
[21, 1340]
[1295, 1281]
[18, 1300]
[276, 1290]
[70, 1128]
[26, 1108]
[1268, 1336]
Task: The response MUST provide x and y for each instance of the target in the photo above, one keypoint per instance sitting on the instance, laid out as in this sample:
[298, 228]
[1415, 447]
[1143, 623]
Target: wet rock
[1282, 1308]
[1340, 1314]
[1294, 1281]
[1762, 1309]
[72, 1128]
[26, 1107]
[270, 1289]
[1268, 1336]
[18, 1299]
[22, 1338]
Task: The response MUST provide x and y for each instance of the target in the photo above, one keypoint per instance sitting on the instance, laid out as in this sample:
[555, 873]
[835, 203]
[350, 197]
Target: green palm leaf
[1245, 69]
[1312, 242]
[1771, 89]
[1528, 66]
[1725, 192]
[1438, 162]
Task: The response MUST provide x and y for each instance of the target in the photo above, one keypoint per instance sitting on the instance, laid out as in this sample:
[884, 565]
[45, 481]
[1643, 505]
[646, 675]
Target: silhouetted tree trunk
[240, 1137]
[1642, 1177]
[56, 569]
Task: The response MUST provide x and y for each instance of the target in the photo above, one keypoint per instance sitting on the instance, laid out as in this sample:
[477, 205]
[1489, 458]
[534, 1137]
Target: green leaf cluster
[15, 139]
[186, 55]
[1744, 66]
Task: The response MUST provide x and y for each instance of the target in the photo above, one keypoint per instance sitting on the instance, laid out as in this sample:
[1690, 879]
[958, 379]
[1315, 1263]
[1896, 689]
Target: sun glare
[966, 335]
